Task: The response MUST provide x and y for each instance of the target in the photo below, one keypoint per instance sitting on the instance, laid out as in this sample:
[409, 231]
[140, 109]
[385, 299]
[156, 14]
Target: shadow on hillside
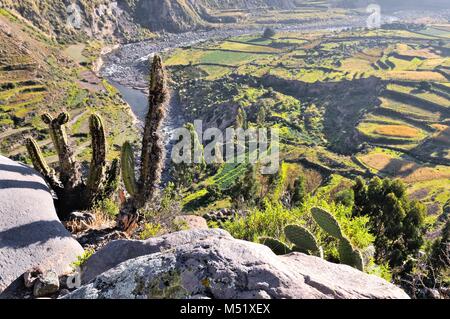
[399, 168]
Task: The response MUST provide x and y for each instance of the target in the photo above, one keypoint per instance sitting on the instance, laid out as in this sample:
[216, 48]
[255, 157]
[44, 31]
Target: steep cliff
[130, 18]
[68, 20]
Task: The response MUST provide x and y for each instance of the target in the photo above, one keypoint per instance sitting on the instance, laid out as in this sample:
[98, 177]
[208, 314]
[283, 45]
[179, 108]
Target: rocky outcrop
[212, 264]
[187, 15]
[31, 235]
[124, 19]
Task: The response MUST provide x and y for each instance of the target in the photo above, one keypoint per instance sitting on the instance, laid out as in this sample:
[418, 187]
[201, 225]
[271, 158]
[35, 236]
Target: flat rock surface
[212, 264]
[31, 234]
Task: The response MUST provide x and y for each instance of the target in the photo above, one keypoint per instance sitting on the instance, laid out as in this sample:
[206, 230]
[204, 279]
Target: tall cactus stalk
[143, 189]
[152, 157]
[72, 192]
[98, 164]
[41, 165]
[128, 170]
[69, 170]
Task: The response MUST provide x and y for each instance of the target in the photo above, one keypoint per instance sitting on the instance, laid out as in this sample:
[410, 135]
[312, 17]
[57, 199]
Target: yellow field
[414, 76]
[404, 49]
[243, 47]
[397, 131]
[407, 170]
[184, 57]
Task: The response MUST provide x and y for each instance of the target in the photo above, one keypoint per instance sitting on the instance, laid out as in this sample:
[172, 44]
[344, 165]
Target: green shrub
[109, 207]
[150, 230]
[81, 260]
[271, 221]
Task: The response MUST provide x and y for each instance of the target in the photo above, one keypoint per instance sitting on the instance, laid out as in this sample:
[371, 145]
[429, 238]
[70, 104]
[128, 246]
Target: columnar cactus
[69, 170]
[41, 165]
[142, 190]
[128, 169]
[98, 163]
[71, 190]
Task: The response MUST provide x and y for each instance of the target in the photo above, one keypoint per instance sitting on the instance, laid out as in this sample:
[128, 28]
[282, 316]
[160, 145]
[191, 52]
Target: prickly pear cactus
[327, 222]
[301, 238]
[349, 255]
[278, 247]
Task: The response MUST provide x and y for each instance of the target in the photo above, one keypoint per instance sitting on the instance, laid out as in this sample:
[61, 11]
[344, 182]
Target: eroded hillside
[37, 76]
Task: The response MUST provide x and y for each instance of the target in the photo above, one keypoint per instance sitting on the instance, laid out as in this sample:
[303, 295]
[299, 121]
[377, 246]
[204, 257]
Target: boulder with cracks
[31, 235]
[212, 264]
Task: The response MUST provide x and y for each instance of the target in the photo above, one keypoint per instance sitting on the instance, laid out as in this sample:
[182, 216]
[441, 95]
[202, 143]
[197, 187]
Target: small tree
[299, 191]
[396, 222]
[440, 252]
[424, 86]
[261, 116]
[269, 33]
[184, 174]
[247, 187]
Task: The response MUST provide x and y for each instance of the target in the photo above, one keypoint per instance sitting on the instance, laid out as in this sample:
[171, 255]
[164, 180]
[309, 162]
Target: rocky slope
[86, 19]
[130, 19]
[212, 264]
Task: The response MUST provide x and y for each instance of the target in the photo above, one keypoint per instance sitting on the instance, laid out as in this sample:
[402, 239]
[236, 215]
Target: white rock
[31, 235]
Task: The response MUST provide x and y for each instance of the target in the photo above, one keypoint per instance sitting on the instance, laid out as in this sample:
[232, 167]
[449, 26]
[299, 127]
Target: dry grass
[397, 131]
[408, 171]
[101, 221]
[404, 49]
[421, 174]
[415, 76]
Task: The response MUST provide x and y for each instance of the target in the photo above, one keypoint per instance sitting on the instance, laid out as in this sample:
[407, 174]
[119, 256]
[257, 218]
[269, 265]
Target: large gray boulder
[212, 264]
[31, 234]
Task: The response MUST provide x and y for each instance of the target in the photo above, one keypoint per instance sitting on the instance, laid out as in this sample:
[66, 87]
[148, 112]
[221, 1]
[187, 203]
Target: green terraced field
[383, 88]
[47, 77]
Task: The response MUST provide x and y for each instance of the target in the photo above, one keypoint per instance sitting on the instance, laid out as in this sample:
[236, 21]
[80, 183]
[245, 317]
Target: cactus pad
[349, 255]
[301, 238]
[278, 247]
[327, 222]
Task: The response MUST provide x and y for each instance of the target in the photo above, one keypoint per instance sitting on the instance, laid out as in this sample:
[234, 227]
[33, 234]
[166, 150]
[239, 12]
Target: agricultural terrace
[346, 103]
